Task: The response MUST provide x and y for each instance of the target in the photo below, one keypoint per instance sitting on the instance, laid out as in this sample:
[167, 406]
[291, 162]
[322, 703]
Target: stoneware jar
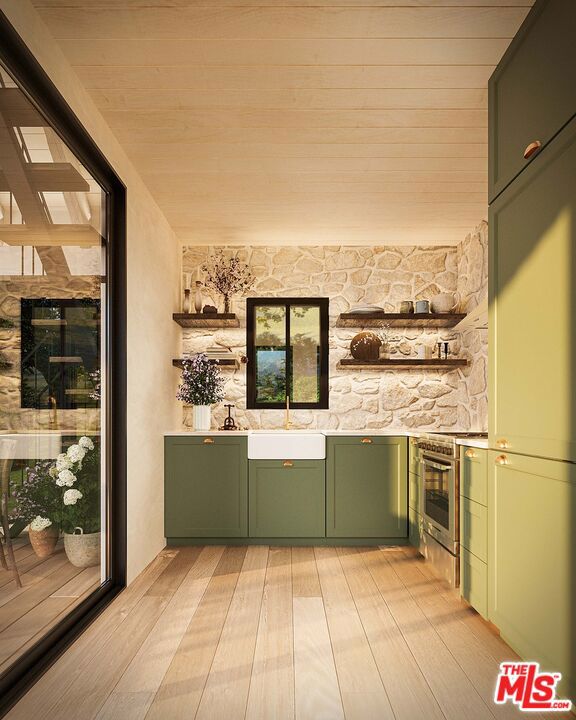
[82, 549]
[443, 303]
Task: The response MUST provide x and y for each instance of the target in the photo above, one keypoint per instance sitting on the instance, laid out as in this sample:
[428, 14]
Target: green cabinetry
[533, 306]
[532, 559]
[287, 498]
[206, 487]
[366, 487]
[533, 90]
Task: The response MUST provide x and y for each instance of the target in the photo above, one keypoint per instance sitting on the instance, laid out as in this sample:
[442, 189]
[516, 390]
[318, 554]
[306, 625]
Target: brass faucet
[53, 405]
[287, 422]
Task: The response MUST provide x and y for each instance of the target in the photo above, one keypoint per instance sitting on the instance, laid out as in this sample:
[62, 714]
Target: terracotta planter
[83, 550]
[44, 541]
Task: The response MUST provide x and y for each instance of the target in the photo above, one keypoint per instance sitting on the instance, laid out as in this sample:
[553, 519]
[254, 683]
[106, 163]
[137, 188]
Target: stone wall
[13, 418]
[433, 399]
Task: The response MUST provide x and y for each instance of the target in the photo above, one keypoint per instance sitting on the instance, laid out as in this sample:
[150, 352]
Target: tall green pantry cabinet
[532, 293]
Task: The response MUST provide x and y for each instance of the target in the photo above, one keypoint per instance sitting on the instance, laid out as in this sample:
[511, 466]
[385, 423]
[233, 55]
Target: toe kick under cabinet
[214, 494]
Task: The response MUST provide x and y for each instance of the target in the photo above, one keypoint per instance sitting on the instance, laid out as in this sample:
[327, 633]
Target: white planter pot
[83, 550]
[202, 415]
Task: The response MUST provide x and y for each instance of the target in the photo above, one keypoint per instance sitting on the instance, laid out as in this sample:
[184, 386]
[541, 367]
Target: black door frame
[34, 81]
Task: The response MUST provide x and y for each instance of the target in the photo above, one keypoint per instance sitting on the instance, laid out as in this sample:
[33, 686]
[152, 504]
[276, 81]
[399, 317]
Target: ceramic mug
[422, 306]
[406, 307]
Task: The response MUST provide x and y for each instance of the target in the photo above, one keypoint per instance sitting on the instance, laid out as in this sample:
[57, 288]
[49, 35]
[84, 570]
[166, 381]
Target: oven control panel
[438, 448]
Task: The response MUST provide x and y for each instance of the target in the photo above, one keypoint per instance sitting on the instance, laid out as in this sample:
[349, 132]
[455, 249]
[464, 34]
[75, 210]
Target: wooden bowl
[365, 346]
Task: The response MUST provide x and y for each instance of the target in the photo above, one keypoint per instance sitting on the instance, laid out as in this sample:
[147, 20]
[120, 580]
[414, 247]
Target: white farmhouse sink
[286, 445]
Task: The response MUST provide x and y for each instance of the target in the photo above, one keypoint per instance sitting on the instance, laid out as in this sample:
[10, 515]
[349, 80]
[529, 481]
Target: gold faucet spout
[287, 422]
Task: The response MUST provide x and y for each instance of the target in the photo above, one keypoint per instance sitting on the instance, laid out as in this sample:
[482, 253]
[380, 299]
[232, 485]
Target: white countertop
[388, 432]
[481, 443]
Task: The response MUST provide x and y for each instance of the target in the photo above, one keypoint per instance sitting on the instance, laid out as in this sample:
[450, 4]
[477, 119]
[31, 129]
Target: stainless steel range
[440, 502]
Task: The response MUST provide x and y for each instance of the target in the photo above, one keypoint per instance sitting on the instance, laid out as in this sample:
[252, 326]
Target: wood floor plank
[169, 581]
[180, 692]
[135, 690]
[62, 676]
[452, 689]
[87, 579]
[26, 563]
[305, 581]
[36, 574]
[226, 691]
[317, 693]
[408, 691]
[363, 694]
[271, 695]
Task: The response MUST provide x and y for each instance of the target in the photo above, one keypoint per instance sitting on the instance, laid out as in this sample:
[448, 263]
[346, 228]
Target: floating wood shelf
[222, 362]
[378, 319]
[388, 364]
[207, 320]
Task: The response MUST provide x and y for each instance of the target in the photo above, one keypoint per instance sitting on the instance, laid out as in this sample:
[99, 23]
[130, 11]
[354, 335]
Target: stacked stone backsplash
[14, 418]
[432, 399]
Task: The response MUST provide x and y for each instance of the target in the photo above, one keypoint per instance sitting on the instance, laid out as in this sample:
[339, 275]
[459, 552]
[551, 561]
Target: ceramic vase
[186, 303]
[202, 416]
[198, 297]
[44, 541]
[82, 549]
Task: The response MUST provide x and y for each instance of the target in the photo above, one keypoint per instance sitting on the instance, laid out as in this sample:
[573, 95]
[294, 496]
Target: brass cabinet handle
[470, 453]
[501, 460]
[502, 444]
[414, 441]
[288, 463]
[208, 441]
[366, 441]
[532, 148]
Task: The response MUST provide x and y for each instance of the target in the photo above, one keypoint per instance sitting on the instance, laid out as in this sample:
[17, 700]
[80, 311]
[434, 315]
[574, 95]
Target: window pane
[305, 348]
[270, 342]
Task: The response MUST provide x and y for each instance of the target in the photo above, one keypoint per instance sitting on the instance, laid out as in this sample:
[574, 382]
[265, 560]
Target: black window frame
[35, 83]
[287, 302]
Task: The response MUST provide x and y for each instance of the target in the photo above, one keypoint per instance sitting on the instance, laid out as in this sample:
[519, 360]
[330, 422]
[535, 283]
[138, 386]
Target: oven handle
[435, 465]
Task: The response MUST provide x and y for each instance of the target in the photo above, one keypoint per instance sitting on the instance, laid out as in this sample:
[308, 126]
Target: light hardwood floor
[50, 588]
[224, 633]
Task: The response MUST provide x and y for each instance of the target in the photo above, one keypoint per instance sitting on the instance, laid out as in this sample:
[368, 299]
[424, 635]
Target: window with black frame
[287, 348]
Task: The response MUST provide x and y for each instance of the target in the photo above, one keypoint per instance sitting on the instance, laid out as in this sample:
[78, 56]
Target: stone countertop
[328, 433]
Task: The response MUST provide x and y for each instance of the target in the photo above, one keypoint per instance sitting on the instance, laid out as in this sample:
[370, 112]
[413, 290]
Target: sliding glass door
[61, 378]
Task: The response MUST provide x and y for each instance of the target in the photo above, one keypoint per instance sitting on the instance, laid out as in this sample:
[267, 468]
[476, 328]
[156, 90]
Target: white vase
[202, 417]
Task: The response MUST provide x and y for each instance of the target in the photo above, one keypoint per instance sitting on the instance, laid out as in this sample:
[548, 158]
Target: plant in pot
[228, 276]
[38, 503]
[77, 475]
[202, 386]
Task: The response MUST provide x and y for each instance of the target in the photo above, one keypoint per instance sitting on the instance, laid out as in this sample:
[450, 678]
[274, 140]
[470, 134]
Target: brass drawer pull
[470, 453]
[366, 441]
[532, 148]
[502, 444]
[208, 441]
[288, 463]
[501, 460]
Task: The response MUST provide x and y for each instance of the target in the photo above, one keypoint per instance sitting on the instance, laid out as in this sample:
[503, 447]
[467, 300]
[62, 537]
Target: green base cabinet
[287, 498]
[415, 528]
[474, 581]
[206, 487]
[366, 487]
[532, 560]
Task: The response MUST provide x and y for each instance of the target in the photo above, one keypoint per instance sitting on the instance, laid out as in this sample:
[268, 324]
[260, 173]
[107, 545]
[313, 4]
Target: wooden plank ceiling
[298, 121]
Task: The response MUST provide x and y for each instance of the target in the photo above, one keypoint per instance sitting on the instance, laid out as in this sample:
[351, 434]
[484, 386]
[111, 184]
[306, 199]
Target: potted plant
[202, 386]
[37, 502]
[228, 276]
[76, 474]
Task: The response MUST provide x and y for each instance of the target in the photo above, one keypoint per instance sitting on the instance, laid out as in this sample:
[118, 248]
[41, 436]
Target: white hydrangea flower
[40, 523]
[76, 453]
[71, 497]
[86, 443]
[66, 478]
[63, 462]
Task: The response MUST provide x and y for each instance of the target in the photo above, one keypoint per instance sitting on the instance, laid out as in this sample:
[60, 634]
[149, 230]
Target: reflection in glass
[270, 342]
[52, 480]
[305, 346]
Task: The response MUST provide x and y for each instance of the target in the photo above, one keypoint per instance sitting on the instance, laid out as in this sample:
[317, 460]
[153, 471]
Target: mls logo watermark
[523, 684]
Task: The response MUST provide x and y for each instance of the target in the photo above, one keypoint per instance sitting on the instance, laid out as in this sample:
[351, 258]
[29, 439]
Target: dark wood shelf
[222, 362]
[388, 364]
[206, 320]
[378, 319]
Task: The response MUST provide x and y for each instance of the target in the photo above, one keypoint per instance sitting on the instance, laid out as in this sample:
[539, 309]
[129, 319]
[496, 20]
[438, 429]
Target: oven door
[439, 501]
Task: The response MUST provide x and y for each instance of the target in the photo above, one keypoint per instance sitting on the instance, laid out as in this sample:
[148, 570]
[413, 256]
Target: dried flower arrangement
[202, 381]
[228, 276]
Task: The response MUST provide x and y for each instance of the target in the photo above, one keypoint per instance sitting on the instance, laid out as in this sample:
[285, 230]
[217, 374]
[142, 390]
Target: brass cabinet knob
[501, 460]
[470, 453]
[532, 148]
[502, 444]
[288, 463]
[366, 441]
[208, 441]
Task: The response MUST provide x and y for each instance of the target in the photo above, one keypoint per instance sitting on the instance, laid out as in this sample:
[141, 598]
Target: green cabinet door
[366, 487]
[532, 93]
[532, 560]
[205, 486]
[287, 498]
[415, 528]
[532, 395]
